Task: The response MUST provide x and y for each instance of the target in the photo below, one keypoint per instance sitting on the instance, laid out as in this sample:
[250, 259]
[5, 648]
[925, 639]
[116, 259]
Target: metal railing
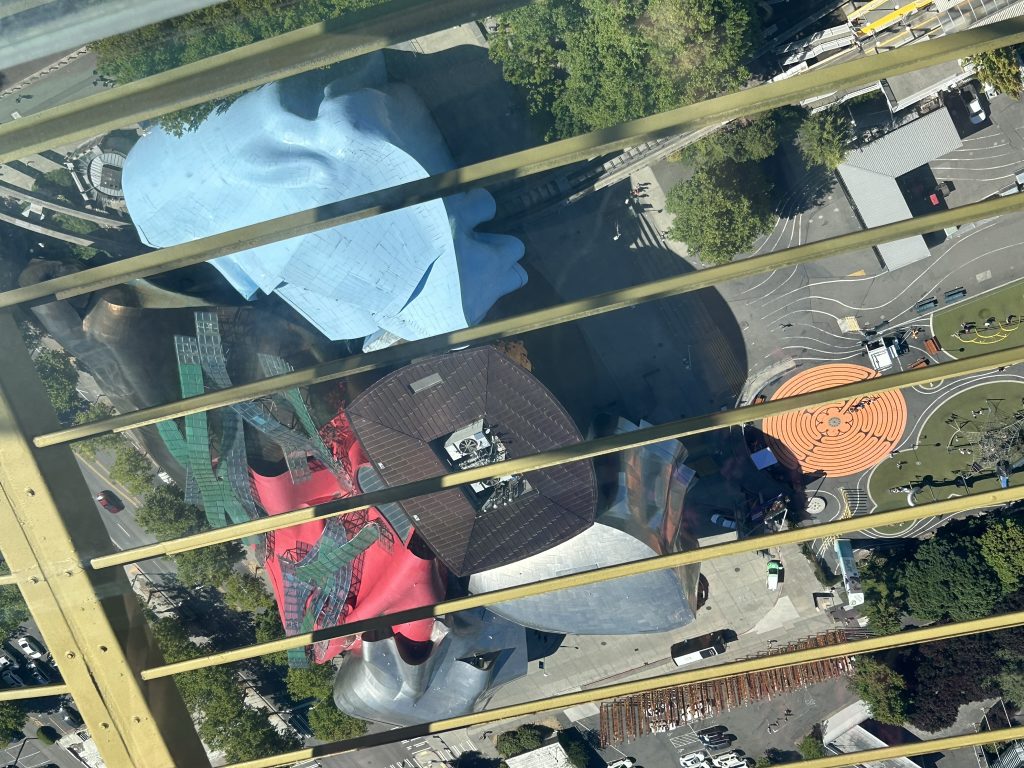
[60, 561]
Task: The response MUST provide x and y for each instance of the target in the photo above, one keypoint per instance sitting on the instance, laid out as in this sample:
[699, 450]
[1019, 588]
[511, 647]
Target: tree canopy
[13, 611]
[60, 377]
[131, 469]
[12, 721]
[525, 738]
[313, 682]
[823, 138]
[206, 32]
[881, 688]
[1002, 547]
[108, 442]
[811, 746]
[741, 142]
[209, 565]
[588, 64]
[949, 578]
[720, 212]
[165, 514]
[999, 69]
[329, 723]
[245, 592]
[216, 697]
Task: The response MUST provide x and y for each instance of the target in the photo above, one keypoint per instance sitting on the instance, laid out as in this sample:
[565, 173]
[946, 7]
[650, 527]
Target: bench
[932, 346]
[955, 295]
[926, 304]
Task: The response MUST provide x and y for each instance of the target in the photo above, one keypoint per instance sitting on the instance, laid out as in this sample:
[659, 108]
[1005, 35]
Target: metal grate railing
[83, 604]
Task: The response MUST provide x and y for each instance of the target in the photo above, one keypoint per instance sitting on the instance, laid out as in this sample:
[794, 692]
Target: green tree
[165, 514]
[587, 64]
[13, 611]
[47, 734]
[245, 592]
[206, 32]
[109, 442]
[329, 723]
[999, 69]
[575, 746]
[57, 183]
[313, 682]
[1002, 547]
[720, 212]
[131, 469]
[884, 615]
[811, 746]
[823, 138]
[72, 224]
[12, 721]
[523, 739]
[209, 565]
[60, 377]
[949, 577]
[742, 141]
[881, 688]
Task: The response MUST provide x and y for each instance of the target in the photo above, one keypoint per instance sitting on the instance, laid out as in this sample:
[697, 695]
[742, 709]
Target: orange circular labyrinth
[839, 438]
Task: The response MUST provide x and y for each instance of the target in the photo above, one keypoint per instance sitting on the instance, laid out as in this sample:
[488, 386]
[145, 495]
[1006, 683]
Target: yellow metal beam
[589, 306]
[33, 692]
[241, 69]
[585, 450]
[90, 621]
[836, 528]
[864, 757]
[717, 672]
[518, 164]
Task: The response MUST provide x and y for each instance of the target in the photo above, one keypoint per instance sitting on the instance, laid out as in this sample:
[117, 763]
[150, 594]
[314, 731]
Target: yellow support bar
[717, 672]
[90, 621]
[941, 508]
[556, 154]
[33, 692]
[588, 449]
[864, 757]
[241, 69]
[590, 306]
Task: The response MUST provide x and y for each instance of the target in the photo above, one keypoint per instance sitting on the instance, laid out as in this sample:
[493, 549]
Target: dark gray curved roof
[398, 425]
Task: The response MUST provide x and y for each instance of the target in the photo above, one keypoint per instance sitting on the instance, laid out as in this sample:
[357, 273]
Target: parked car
[39, 672]
[774, 571]
[109, 501]
[693, 760]
[728, 760]
[70, 716]
[11, 679]
[626, 762]
[30, 647]
[720, 743]
[711, 731]
[724, 522]
[715, 738]
[973, 102]
[7, 661]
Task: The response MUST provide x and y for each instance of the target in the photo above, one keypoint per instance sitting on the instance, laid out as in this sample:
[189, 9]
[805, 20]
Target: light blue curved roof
[294, 145]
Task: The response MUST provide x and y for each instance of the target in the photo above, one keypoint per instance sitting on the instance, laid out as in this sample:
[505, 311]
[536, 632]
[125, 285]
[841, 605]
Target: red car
[109, 501]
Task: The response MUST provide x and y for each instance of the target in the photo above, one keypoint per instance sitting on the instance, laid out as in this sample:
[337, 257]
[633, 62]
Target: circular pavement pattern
[840, 438]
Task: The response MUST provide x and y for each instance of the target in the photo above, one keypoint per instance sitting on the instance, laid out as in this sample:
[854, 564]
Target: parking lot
[755, 728]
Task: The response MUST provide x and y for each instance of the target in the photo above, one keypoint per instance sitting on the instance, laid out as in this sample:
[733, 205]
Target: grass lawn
[1000, 304]
[934, 465]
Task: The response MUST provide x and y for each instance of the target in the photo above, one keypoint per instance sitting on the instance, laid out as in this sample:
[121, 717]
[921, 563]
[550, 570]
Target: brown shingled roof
[397, 426]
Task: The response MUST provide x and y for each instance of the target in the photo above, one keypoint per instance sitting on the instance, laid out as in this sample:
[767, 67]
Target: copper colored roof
[399, 429]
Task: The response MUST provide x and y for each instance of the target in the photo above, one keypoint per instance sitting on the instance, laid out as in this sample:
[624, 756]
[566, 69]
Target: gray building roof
[869, 175]
[906, 90]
